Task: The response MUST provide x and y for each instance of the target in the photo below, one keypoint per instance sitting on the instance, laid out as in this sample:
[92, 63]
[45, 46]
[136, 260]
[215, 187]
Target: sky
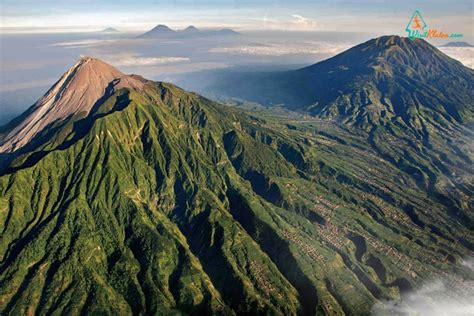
[388, 17]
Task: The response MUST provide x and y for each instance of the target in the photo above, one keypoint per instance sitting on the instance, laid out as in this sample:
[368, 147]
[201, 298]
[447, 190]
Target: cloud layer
[80, 43]
[303, 22]
[281, 49]
[463, 54]
[135, 60]
[450, 295]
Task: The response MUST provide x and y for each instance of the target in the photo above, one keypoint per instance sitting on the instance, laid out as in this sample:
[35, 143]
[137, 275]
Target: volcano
[389, 80]
[75, 94]
[126, 196]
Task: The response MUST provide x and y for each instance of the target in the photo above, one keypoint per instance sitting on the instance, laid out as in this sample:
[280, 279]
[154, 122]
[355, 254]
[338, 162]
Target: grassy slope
[171, 203]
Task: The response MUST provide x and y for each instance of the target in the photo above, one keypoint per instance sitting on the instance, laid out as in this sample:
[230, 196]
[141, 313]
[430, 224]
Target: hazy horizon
[363, 16]
[31, 63]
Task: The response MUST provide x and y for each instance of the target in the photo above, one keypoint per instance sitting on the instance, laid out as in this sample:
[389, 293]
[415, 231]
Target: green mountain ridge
[163, 202]
[387, 81]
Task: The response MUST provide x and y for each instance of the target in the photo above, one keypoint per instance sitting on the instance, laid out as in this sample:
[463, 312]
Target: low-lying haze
[32, 62]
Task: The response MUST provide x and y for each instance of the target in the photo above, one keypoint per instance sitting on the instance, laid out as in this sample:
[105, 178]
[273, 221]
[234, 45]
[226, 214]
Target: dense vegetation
[163, 202]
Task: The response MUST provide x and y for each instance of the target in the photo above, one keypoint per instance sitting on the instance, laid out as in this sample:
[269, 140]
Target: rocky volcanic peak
[76, 92]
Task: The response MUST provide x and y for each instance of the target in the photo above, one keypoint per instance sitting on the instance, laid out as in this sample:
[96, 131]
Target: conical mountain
[385, 80]
[160, 201]
[191, 29]
[191, 32]
[75, 94]
[162, 28]
[110, 30]
[159, 31]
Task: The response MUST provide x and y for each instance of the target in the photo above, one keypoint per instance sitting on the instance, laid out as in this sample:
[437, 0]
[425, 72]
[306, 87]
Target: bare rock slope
[75, 93]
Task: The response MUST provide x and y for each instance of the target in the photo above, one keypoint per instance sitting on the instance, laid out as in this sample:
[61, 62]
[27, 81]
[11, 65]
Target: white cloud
[81, 43]
[306, 23]
[463, 54]
[281, 49]
[294, 22]
[128, 60]
[450, 295]
[468, 263]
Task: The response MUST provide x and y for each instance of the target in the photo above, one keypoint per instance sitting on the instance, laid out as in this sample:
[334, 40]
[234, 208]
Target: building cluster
[308, 249]
[324, 207]
[328, 309]
[389, 212]
[257, 272]
[331, 234]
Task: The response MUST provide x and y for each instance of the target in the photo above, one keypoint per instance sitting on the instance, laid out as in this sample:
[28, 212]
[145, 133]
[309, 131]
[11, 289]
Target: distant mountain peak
[191, 28]
[457, 44]
[76, 92]
[162, 28]
[228, 32]
[164, 32]
[109, 30]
